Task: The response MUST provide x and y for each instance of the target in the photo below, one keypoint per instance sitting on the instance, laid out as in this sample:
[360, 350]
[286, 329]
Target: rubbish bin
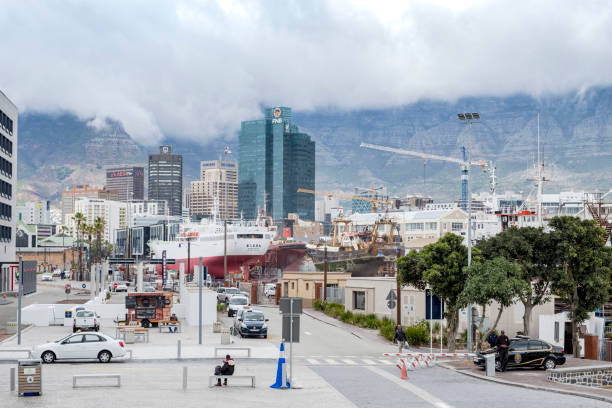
[490, 364]
[216, 327]
[29, 378]
[225, 336]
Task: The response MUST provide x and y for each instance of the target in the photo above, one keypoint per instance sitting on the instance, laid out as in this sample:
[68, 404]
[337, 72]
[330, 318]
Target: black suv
[526, 352]
[249, 322]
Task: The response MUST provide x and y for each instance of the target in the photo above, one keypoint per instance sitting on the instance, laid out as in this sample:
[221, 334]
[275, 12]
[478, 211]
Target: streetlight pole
[325, 273]
[200, 302]
[19, 299]
[225, 251]
[469, 118]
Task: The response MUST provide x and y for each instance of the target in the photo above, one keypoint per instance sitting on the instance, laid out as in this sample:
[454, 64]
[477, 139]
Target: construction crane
[487, 166]
[372, 200]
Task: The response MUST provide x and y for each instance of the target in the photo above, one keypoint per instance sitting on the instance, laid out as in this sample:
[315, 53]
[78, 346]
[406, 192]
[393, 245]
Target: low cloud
[196, 69]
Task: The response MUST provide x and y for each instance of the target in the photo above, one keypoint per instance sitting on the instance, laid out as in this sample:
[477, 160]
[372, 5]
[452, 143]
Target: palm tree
[98, 228]
[80, 220]
[88, 230]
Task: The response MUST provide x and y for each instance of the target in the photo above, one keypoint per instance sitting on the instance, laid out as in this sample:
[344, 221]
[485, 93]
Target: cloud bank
[195, 69]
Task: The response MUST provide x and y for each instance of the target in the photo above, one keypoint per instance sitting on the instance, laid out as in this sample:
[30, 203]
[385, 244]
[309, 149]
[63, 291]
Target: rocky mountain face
[575, 132]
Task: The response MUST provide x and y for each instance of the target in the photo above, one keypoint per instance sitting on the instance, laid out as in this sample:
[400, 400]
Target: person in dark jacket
[400, 336]
[502, 344]
[492, 339]
[226, 369]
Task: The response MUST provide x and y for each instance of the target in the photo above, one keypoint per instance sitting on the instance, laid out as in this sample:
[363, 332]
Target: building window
[307, 286]
[292, 285]
[359, 300]
[432, 225]
[456, 226]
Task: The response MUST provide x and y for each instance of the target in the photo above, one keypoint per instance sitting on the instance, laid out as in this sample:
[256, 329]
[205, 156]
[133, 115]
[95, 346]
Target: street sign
[391, 298]
[164, 273]
[285, 306]
[115, 285]
[433, 302]
[83, 286]
[121, 261]
[288, 331]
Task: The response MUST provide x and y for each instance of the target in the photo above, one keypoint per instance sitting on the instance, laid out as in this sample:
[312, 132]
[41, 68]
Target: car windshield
[85, 313]
[254, 317]
[238, 301]
[232, 290]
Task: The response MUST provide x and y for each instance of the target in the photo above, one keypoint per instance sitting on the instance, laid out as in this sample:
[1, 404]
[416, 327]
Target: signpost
[19, 300]
[291, 309]
[164, 273]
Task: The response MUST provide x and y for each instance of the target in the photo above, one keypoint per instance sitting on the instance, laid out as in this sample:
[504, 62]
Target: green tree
[496, 280]
[584, 266]
[531, 249]
[443, 265]
[98, 229]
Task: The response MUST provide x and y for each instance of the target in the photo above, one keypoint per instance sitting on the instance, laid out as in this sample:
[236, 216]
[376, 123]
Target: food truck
[148, 308]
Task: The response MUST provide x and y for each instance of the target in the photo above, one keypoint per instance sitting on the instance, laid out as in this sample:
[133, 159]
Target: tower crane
[487, 166]
[372, 200]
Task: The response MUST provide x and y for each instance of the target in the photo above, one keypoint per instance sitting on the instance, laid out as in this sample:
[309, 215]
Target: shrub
[334, 310]
[221, 307]
[387, 328]
[318, 305]
[359, 319]
[346, 317]
[372, 322]
[417, 334]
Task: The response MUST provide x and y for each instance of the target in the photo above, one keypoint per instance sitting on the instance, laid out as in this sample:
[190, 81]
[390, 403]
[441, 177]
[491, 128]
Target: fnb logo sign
[277, 112]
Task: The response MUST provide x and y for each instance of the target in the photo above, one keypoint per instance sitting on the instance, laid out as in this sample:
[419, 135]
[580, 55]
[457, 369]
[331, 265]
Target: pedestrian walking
[502, 344]
[400, 336]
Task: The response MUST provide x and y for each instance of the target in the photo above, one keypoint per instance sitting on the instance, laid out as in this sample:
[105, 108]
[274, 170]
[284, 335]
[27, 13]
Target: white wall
[594, 325]
[189, 305]
[47, 314]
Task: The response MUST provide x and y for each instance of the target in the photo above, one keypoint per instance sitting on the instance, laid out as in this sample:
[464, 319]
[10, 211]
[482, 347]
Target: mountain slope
[575, 129]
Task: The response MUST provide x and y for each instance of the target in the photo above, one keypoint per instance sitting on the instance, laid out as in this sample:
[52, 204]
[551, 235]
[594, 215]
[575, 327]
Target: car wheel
[104, 356]
[48, 357]
[497, 365]
[241, 335]
[265, 336]
[145, 323]
[550, 363]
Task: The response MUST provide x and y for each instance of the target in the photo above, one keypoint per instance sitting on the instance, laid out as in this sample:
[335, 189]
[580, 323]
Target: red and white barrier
[421, 360]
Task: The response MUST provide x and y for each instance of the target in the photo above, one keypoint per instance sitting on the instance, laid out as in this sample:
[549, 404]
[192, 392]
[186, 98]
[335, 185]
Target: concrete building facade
[127, 181]
[114, 214]
[218, 180]
[70, 195]
[8, 179]
[166, 179]
[35, 212]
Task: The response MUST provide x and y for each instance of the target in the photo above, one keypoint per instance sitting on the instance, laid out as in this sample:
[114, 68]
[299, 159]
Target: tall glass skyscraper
[275, 159]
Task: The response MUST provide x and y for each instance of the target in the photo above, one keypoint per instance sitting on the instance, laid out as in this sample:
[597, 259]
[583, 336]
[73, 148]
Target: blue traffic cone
[279, 369]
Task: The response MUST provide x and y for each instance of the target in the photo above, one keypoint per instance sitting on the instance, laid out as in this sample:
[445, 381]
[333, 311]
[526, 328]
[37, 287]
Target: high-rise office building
[8, 184]
[166, 179]
[218, 179]
[275, 160]
[127, 181]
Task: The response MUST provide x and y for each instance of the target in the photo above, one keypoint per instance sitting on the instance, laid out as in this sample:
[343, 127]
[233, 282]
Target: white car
[270, 290]
[81, 346]
[86, 320]
[47, 276]
[121, 287]
[236, 303]
[57, 272]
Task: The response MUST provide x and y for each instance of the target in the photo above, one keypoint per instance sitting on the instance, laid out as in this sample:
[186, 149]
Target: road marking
[350, 356]
[308, 333]
[316, 356]
[330, 361]
[312, 361]
[350, 362]
[367, 361]
[386, 362]
[419, 392]
[333, 356]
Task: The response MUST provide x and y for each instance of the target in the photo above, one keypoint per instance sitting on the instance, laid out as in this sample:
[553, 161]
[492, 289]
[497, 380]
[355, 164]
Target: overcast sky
[197, 68]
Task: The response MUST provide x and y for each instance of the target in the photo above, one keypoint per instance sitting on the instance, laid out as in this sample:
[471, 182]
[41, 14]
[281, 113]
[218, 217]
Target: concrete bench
[170, 326]
[213, 379]
[227, 349]
[96, 377]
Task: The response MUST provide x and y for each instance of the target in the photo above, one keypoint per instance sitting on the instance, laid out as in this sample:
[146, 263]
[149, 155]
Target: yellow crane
[372, 200]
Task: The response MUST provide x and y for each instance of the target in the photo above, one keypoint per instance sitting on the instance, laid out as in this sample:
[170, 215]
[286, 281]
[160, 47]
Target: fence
[605, 349]
[334, 294]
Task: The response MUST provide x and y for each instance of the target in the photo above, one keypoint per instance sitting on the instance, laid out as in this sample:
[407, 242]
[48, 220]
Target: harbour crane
[487, 166]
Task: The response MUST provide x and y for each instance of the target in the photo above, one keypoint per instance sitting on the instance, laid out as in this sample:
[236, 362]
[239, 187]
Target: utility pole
[325, 274]
[189, 256]
[200, 303]
[225, 251]
[19, 300]
[399, 290]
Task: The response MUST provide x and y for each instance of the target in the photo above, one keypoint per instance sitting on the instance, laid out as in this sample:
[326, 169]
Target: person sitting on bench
[226, 369]
[173, 319]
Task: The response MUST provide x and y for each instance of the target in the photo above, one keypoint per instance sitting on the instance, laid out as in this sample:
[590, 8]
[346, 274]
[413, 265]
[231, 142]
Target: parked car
[57, 272]
[526, 352]
[236, 302]
[270, 289]
[249, 323]
[47, 276]
[147, 287]
[121, 287]
[223, 294]
[79, 346]
[86, 320]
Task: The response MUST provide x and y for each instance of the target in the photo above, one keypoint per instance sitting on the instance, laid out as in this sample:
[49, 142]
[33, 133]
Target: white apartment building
[218, 180]
[8, 181]
[114, 214]
[35, 212]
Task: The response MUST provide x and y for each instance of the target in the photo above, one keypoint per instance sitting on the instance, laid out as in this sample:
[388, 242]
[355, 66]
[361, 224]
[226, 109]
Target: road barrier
[412, 360]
